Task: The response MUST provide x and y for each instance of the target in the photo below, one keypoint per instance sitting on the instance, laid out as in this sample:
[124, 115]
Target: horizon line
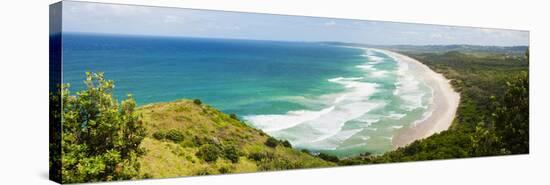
[296, 41]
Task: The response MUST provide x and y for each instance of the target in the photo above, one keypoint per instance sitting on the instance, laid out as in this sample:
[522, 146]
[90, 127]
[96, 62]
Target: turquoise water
[325, 98]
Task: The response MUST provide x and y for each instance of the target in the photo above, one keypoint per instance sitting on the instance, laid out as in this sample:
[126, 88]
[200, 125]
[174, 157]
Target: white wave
[396, 127]
[371, 128]
[326, 125]
[374, 59]
[271, 123]
[408, 88]
[368, 122]
[425, 116]
[340, 79]
[364, 138]
[345, 134]
[378, 74]
[366, 67]
[396, 116]
[326, 129]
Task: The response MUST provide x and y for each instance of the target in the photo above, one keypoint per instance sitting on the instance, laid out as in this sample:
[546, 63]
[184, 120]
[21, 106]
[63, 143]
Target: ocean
[338, 100]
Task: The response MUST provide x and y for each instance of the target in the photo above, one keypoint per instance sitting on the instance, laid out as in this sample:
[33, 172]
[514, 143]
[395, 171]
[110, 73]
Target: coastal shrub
[365, 154]
[261, 156]
[287, 144]
[174, 135]
[208, 152]
[197, 101]
[327, 157]
[231, 153]
[159, 135]
[271, 142]
[233, 116]
[100, 138]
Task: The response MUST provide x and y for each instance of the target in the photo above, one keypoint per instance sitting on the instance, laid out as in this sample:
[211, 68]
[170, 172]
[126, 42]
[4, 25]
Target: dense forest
[493, 115]
[104, 140]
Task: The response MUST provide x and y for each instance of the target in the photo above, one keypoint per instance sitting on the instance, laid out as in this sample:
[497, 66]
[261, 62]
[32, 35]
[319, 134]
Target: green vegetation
[197, 101]
[329, 157]
[493, 115]
[173, 135]
[208, 152]
[100, 138]
[233, 116]
[55, 134]
[271, 142]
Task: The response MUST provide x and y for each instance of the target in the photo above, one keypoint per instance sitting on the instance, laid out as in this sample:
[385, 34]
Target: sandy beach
[443, 108]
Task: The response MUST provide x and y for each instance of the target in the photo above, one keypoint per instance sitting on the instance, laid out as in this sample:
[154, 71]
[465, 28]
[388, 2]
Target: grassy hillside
[190, 138]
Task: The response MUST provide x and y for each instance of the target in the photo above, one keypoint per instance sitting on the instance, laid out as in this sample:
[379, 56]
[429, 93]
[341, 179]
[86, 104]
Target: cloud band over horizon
[161, 21]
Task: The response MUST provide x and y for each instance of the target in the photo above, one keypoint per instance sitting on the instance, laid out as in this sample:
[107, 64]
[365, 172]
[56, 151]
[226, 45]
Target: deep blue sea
[321, 97]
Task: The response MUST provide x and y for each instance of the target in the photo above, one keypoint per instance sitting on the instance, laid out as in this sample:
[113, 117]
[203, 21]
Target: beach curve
[441, 112]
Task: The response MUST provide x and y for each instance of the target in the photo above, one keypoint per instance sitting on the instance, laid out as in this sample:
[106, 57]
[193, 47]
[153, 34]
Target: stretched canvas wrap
[141, 92]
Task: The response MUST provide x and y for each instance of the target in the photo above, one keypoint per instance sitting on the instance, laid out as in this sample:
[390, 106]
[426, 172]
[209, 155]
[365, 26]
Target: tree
[100, 138]
[511, 117]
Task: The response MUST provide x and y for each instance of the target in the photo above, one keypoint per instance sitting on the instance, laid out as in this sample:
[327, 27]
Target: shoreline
[441, 111]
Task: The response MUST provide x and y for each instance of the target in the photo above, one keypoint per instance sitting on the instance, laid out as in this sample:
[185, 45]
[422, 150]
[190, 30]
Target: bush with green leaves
[271, 142]
[233, 116]
[327, 157]
[208, 152]
[231, 153]
[159, 135]
[511, 117]
[287, 144]
[197, 101]
[174, 135]
[100, 137]
[261, 156]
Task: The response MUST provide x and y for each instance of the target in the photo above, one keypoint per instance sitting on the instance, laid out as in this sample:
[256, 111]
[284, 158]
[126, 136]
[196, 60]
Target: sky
[160, 21]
